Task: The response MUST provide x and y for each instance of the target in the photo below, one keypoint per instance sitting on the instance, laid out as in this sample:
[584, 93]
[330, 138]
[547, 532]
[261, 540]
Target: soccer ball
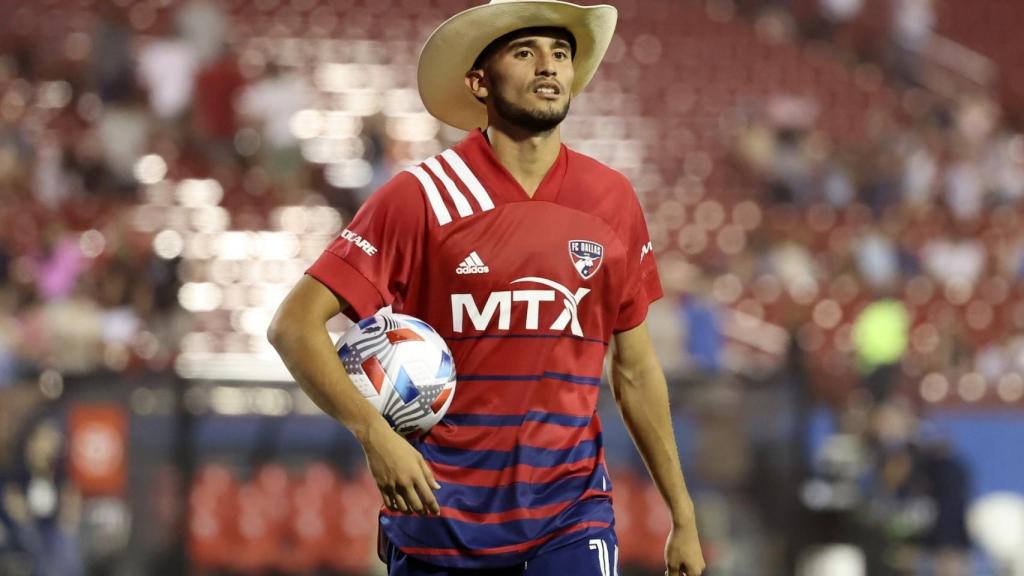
[403, 367]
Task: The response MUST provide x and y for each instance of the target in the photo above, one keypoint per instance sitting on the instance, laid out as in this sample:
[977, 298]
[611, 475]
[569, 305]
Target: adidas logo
[472, 265]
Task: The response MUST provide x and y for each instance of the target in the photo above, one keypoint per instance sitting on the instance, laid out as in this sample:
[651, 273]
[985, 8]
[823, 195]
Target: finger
[389, 500]
[427, 496]
[412, 498]
[429, 474]
[400, 504]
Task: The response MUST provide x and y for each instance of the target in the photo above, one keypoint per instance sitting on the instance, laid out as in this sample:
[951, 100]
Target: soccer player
[532, 261]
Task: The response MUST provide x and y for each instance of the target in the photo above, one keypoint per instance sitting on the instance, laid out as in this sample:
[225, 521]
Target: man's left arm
[641, 392]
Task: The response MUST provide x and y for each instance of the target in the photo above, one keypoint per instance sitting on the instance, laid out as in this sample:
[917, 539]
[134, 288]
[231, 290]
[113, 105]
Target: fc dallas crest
[586, 257]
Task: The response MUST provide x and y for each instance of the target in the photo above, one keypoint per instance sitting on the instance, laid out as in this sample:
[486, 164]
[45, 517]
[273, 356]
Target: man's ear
[476, 84]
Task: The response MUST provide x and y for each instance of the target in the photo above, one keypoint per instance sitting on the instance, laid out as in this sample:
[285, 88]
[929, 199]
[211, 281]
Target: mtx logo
[500, 304]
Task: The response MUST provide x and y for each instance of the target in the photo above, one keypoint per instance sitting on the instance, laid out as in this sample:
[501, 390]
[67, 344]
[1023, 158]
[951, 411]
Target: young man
[531, 260]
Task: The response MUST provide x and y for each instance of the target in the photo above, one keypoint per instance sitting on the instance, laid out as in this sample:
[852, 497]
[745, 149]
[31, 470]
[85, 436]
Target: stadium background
[834, 193]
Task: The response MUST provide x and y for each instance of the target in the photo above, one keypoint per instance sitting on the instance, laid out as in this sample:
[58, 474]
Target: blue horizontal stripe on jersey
[589, 380]
[540, 336]
[501, 459]
[497, 378]
[445, 533]
[572, 378]
[516, 420]
[517, 495]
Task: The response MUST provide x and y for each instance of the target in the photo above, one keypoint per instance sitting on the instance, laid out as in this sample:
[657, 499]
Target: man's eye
[561, 55]
[522, 53]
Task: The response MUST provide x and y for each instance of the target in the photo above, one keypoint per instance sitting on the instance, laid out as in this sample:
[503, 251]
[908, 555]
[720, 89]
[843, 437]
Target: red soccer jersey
[527, 292]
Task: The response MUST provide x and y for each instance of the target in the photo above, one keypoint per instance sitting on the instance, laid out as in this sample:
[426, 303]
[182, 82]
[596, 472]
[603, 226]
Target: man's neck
[527, 156]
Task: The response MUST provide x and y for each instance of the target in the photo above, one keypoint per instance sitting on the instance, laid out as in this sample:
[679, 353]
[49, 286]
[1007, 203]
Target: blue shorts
[597, 555]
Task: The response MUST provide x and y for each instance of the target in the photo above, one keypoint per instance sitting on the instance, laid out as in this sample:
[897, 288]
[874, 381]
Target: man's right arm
[299, 334]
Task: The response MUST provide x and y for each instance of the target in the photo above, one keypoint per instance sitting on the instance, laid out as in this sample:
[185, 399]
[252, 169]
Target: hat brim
[450, 51]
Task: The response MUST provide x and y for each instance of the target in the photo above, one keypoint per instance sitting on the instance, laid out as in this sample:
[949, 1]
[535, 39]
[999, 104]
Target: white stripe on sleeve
[461, 204]
[467, 177]
[433, 196]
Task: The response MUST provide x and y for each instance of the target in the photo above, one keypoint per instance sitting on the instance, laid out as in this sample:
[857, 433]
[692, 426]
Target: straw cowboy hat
[451, 50]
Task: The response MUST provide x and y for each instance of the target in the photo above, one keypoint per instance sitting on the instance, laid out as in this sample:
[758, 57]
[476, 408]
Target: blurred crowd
[86, 122]
[892, 259]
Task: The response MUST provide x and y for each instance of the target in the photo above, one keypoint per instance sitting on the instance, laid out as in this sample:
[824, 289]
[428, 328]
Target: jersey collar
[481, 158]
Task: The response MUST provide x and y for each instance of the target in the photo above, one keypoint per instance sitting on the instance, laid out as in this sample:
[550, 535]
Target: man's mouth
[547, 90]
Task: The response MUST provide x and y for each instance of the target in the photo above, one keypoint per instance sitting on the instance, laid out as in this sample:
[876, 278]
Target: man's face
[528, 79]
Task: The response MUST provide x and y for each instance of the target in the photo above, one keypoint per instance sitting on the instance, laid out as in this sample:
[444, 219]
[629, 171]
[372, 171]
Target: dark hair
[506, 38]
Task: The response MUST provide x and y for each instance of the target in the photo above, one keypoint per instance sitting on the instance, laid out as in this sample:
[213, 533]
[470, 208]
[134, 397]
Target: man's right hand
[403, 477]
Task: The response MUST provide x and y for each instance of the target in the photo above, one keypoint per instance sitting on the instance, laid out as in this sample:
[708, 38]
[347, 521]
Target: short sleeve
[644, 284]
[371, 263]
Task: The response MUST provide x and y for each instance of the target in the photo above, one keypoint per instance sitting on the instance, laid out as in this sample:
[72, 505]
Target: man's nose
[546, 65]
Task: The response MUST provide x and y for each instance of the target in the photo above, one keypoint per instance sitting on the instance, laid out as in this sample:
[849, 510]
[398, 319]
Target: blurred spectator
[71, 329]
[59, 264]
[956, 259]
[703, 328]
[8, 344]
[913, 22]
[833, 18]
[43, 503]
[949, 489]
[918, 495]
[203, 26]
[1011, 258]
[881, 332]
[920, 168]
[271, 103]
[793, 263]
[880, 171]
[965, 193]
[1003, 162]
[111, 61]
[123, 132]
[793, 159]
[877, 259]
[838, 12]
[15, 151]
[218, 87]
[50, 184]
[837, 183]
[120, 320]
[976, 118]
[167, 68]
[780, 143]
[899, 509]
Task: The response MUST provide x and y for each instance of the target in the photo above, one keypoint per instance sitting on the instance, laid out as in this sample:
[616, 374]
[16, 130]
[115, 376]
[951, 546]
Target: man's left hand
[683, 556]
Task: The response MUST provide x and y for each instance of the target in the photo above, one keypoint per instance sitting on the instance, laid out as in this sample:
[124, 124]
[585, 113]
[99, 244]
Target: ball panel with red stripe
[403, 367]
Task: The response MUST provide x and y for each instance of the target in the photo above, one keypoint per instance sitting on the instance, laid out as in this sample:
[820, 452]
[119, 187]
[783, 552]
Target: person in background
[44, 504]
